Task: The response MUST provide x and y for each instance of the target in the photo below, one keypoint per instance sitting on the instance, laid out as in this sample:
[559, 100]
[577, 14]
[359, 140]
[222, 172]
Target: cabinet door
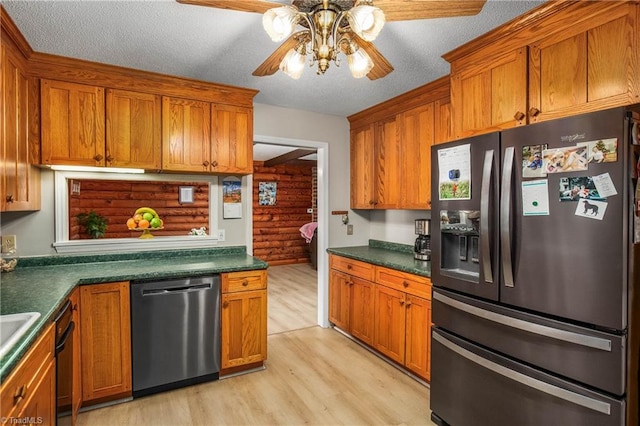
[72, 124]
[232, 141]
[361, 309]
[186, 135]
[443, 124]
[105, 329]
[133, 130]
[587, 69]
[490, 96]
[41, 408]
[416, 139]
[244, 328]
[418, 349]
[387, 160]
[339, 299]
[20, 181]
[389, 319]
[362, 168]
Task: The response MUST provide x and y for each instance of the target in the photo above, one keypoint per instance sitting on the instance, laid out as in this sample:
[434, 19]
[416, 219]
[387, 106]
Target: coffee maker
[422, 246]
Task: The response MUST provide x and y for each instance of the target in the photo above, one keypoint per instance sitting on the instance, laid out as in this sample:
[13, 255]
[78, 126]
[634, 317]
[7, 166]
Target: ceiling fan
[326, 28]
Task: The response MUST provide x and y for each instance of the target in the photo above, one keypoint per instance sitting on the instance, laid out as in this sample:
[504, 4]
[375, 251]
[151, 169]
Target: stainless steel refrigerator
[535, 275]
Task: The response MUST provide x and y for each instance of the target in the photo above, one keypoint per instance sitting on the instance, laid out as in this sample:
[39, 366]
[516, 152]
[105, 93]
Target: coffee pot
[422, 246]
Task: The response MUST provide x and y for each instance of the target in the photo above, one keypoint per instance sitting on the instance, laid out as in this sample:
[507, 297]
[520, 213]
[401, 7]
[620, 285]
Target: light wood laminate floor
[313, 376]
[292, 297]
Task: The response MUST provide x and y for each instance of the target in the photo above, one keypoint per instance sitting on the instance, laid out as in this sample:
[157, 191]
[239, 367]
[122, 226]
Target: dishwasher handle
[174, 290]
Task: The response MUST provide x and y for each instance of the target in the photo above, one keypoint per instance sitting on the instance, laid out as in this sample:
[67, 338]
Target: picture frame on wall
[267, 193]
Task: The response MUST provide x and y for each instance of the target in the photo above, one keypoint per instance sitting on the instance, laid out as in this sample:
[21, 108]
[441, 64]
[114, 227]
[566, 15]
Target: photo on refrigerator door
[578, 188]
[601, 151]
[532, 165]
[566, 159]
[454, 165]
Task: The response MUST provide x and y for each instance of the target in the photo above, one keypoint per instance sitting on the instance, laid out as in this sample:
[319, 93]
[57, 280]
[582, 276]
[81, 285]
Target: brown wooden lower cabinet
[105, 328]
[244, 320]
[30, 390]
[389, 311]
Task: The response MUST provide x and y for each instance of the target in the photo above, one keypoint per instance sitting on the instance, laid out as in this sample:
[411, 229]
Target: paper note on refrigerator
[454, 165]
[535, 198]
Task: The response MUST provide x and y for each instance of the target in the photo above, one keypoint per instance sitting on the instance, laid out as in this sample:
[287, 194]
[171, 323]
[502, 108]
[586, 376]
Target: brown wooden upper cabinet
[73, 117]
[490, 95]
[416, 127]
[133, 130]
[203, 137]
[550, 70]
[20, 182]
[375, 161]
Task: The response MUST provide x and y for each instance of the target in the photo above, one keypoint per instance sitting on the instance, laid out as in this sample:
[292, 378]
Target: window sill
[119, 245]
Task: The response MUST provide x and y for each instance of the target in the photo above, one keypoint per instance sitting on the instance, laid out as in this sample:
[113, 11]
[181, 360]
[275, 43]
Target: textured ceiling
[226, 46]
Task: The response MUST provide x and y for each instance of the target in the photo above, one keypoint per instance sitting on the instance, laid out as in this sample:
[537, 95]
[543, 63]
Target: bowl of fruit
[145, 219]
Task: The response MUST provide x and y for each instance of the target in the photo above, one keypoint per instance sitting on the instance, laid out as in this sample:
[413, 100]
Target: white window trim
[63, 245]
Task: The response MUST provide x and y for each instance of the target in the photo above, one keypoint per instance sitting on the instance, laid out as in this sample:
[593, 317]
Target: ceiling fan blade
[399, 10]
[256, 6]
[381, 67]
[272, 64]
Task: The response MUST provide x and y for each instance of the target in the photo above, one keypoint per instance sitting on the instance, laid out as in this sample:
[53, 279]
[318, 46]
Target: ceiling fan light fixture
[293, 62]
[359, 61]
[366, 21]
[280, 22]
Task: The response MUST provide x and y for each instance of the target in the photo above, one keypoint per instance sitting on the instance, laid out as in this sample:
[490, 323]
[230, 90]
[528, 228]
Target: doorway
[322, 149]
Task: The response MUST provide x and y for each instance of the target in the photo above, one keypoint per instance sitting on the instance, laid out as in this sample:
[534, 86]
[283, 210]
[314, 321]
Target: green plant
[94, 224]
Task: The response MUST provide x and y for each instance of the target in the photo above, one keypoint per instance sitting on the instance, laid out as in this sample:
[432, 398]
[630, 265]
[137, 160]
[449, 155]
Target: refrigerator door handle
[485, 199]
[505, 216]
[542, 330]
[558, 392]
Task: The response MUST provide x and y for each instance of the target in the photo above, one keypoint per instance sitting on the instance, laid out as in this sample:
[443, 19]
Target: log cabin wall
[118, 200]
[276, 229]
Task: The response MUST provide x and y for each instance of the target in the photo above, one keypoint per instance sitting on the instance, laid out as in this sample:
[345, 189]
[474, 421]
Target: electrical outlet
[221, 235]
[9, 244]
[349, 229]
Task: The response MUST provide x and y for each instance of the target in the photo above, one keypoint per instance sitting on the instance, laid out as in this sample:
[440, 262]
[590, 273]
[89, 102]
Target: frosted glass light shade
[359, 63]
[293, 64]
[280, 22]
[366, 21]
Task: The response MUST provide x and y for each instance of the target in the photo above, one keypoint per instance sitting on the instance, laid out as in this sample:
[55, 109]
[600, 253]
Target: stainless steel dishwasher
[175, 333]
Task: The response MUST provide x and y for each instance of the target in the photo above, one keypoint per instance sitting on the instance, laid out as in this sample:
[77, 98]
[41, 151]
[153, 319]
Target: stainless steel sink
[12, 327]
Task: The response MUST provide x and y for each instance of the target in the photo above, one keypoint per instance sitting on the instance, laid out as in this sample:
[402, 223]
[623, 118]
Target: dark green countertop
[390, 255]
[43, 284]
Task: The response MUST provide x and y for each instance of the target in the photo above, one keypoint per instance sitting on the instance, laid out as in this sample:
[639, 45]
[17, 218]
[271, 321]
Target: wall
[276, 229]
[396, 226]
[276, 122]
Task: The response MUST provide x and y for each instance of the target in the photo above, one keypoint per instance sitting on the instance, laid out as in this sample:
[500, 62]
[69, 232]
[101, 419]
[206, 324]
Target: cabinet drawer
[409, 283]
[25, 377]
[352, 267]
[244, 280]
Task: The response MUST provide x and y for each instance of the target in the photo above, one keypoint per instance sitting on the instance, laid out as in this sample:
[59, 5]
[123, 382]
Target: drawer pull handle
[405, 284]
[349, 267]
[20, 394]
[245, 283]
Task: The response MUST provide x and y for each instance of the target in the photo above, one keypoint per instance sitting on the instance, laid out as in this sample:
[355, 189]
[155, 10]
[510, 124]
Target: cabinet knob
[206, 163]
[225, 304]
[109, 158]
[10, 199]
[98, 157]
[245, 283]
[402, 303]
[519, 115]
[533, 112]
[371, 202]
[214, 163]
[405, 284]
[349, 267]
